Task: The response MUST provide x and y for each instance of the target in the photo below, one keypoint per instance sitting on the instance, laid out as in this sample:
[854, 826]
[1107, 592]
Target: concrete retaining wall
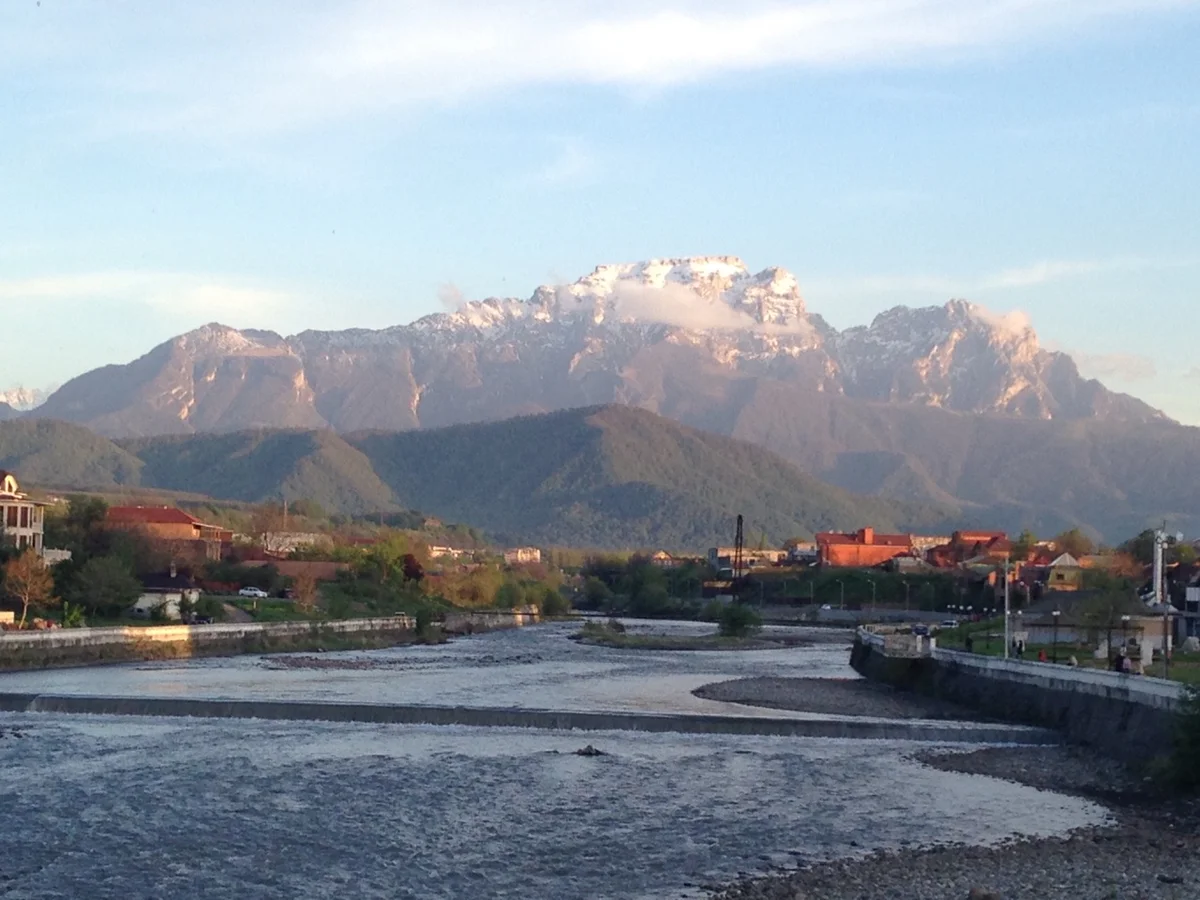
[1129, 717]
[86, 646]
[564, 720]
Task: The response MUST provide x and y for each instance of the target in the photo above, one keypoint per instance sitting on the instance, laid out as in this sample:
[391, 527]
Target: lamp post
[873, 596]
[1056, 614]
[906, 589]
[1007, 612]
[842, 585]
[1124, 626]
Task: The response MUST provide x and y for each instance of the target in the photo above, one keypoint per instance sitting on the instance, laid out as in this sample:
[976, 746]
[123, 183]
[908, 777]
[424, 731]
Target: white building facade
[22, 520]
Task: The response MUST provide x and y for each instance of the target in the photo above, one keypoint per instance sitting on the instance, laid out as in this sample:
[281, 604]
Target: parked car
[256, 593]
[921, 630]
[949, 623]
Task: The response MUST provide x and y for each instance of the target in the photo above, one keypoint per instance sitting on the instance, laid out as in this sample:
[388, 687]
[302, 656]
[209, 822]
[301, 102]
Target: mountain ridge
[613, 476]
[598, 340]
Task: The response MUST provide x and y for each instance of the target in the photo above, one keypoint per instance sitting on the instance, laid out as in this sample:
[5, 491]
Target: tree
[28, 581]
[1024, 545]
[306, 589]
[105, 586]
[1141, 547]
[1184, 554]
[1074, 542]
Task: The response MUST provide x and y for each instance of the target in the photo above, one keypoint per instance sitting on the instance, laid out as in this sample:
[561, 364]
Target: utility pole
[1007, 611]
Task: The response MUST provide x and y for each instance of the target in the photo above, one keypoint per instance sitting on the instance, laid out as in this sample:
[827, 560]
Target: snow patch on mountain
[24, 399]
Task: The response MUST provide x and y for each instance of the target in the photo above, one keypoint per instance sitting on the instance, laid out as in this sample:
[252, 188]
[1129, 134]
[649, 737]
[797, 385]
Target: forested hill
[603, 477]
[617, 476]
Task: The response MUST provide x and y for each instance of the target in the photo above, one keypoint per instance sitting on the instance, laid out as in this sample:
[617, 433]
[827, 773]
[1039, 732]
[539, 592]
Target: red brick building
[861, 549]
[171, 524]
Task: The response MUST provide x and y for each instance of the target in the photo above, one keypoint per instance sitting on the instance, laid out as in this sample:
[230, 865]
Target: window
[24, 516]
[11, 520]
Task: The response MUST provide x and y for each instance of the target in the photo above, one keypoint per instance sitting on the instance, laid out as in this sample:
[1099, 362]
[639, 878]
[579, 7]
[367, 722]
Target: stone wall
[1129, 717]
[88, 646]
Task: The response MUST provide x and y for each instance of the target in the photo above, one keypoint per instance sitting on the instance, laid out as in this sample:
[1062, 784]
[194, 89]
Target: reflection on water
[154, 808]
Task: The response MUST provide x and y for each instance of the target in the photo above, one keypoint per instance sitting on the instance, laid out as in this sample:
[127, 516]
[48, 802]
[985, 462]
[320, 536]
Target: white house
[22, 520]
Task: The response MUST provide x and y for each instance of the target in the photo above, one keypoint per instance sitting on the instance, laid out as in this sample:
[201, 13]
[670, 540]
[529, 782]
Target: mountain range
[949, 406]
[687, 338]
[610, 476]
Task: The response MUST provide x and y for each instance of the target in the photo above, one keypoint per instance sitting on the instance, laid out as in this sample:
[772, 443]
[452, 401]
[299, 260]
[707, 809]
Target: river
[146, 807]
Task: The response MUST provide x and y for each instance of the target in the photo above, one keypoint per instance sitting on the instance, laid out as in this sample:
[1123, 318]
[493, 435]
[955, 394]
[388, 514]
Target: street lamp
[842, 584]
[1124, 639]
[1056, 614]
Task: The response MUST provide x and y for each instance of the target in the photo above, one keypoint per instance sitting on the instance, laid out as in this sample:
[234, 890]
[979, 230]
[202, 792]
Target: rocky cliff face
[684, 337]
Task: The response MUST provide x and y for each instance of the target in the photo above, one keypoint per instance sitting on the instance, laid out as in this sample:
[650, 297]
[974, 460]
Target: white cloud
[678, 305]
[1123, 366]
[1014, 323]
[176, 294]
[222, 69]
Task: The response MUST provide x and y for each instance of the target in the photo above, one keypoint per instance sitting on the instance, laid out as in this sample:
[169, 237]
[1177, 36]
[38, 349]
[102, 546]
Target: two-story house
[22, 520]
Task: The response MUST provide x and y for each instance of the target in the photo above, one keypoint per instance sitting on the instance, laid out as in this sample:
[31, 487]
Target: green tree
[1074, 542]
[1141, 547]
[1184, 554]
[510, 595]
[105, 586]
[738, 620]
[1024, 544]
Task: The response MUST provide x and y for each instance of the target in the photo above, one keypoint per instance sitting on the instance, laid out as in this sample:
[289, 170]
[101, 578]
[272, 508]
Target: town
[78, 561]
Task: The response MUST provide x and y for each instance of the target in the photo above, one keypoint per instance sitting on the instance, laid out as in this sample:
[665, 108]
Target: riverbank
[75, 647]
[1148, 851]
[832, 696]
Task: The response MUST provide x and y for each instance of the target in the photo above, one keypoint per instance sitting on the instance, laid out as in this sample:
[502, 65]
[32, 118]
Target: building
[1064, 574]
[164, 594]
[521, 555]
[440, 552]
[977, 547]
[173, 525]
[22, 520]
[862, 549]
[285, 543]
[722, 557]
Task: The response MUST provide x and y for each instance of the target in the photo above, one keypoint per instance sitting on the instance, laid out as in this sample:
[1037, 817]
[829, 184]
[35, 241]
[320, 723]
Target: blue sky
[331, 165]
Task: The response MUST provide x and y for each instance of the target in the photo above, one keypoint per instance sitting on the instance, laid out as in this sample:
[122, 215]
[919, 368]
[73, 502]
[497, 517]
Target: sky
[295, 165]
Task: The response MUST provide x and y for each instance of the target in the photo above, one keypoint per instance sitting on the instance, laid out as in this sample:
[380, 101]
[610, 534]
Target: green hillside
[617, 477]
[57, 454]
[265, 465]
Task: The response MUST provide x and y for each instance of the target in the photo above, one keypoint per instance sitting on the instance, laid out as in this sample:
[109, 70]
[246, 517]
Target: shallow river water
[141, 807]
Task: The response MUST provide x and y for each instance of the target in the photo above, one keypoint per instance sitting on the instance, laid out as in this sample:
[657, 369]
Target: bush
[711, 612]
[209, 607]
[554, 603]
[738, 620]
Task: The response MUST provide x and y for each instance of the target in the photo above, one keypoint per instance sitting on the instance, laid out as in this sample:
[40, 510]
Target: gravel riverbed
[1150, 850]
[832, 696]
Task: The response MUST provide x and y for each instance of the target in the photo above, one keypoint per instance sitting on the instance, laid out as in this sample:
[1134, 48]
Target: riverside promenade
[1130, 717]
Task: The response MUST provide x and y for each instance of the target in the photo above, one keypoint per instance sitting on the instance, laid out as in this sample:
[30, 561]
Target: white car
[257, 593]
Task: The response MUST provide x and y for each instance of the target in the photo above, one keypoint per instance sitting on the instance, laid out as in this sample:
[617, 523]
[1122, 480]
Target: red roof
[150, 515]
[879, 540]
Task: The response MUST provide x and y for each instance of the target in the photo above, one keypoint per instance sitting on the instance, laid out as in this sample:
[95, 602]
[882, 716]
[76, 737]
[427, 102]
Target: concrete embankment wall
[1129, 717]
[500, 717]
[87, 646]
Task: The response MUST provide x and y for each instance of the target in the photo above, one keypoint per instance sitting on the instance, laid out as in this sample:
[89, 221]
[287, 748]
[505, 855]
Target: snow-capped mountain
[23, 398]
[691, 338]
